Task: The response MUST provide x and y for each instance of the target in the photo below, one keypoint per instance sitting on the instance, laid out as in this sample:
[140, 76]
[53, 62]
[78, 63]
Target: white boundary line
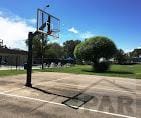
[55, 103]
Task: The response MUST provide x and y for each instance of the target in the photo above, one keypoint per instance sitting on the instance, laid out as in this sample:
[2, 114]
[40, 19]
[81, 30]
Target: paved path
[19, 67]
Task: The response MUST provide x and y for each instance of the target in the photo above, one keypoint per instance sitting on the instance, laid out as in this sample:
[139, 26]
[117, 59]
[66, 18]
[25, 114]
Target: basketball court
[60, 95]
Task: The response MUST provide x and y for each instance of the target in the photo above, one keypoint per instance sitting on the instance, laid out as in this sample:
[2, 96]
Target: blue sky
[120, 20]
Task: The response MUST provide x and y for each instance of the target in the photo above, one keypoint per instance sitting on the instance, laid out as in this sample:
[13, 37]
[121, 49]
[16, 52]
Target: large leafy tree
[38, 46]
[95, 48]
[121, 57]
[69, 47]
[48, 50]
[54, 51]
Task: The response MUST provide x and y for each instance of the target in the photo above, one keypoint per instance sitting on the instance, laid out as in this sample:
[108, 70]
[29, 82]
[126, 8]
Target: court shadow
[75, 101]
[119, 72]
[109, 72]
[47, 92]
[122, 87]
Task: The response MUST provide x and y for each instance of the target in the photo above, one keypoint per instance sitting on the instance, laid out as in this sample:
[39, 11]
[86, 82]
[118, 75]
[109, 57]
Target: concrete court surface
[60, 95]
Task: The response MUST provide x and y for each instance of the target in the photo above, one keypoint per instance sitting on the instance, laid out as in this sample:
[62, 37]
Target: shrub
[101, 67]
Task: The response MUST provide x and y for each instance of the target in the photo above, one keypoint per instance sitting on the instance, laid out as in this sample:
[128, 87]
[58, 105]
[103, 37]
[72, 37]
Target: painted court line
[55, 103]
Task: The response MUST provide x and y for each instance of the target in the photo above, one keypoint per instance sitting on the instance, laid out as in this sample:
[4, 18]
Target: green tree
[54, 50]
[121, 57]
[69, 47]
[37, 46]
[94, 49]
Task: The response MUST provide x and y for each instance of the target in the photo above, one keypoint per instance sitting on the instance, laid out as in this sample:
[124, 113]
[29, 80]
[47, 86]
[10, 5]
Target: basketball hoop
[47, 24]
[49, 32]
[53, 34]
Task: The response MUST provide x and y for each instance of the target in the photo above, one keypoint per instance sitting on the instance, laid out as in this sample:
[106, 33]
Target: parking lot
[60, 95]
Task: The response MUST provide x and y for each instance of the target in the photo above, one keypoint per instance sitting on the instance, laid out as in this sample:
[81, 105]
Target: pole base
[28, 85]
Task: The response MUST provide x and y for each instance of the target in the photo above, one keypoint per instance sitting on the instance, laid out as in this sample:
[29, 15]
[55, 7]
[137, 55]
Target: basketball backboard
[47, 24]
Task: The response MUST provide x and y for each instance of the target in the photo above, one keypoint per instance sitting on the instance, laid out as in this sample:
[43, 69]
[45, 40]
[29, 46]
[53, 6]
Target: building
[136, 55]
[13, 57]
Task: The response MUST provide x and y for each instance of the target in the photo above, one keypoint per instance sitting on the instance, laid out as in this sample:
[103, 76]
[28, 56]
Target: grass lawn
[131, 71]
[11, 72]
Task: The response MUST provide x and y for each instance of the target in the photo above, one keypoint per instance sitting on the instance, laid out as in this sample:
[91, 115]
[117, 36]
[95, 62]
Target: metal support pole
[42, 36]
[16, 62]
[42, 51]
[29, 60]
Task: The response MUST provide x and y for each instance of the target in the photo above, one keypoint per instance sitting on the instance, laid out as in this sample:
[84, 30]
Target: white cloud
[81, 35]
[73, 30]
[139, 47]
[86, 35]
[130, 50]
[14, 30]
[53, 41]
